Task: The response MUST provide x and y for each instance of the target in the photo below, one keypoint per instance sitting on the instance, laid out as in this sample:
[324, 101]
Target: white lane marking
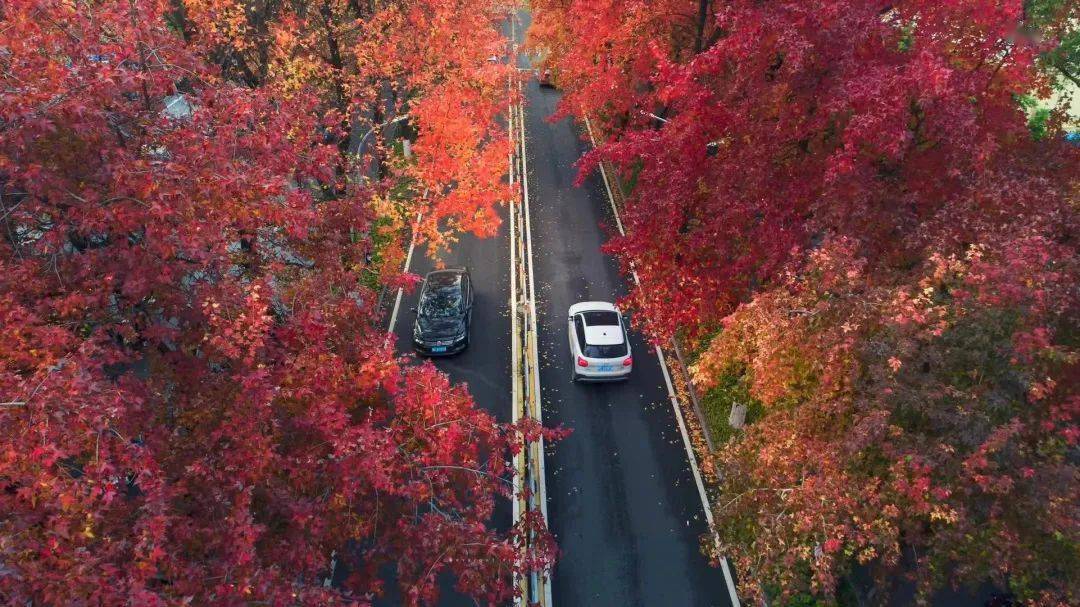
[408, 261]
[515, 357]
[541, 482]
[607, 186]
[728, 579]
[532, 299]
[516, 408]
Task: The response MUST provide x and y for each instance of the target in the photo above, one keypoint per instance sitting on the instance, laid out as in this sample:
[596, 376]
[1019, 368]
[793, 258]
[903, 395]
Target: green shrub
[732, 386]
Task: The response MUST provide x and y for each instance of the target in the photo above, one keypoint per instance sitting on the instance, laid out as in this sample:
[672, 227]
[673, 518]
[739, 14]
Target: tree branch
[467, 469]
[1064, 72]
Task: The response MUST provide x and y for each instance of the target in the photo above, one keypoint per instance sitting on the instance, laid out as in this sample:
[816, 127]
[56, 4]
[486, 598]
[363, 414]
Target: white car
[599, 344]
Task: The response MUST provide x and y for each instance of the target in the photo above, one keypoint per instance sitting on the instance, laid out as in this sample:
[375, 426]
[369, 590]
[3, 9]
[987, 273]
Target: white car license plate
[605, 368]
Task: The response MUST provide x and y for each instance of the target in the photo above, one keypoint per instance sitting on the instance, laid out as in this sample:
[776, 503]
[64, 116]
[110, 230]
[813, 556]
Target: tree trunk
[703, 16]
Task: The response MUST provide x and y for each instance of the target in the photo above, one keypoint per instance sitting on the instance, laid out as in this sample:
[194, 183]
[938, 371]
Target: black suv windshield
[441, 302]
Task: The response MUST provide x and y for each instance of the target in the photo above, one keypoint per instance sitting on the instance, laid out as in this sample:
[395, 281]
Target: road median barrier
[531, 490]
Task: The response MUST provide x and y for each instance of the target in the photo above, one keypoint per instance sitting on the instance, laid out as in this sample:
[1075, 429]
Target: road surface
[621, 497]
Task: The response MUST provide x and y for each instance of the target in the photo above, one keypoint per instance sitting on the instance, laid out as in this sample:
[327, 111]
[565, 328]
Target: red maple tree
[850, 195]
[197, 402]
[368, 61]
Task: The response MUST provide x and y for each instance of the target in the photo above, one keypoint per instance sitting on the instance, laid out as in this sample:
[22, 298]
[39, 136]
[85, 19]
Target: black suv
[444, 313]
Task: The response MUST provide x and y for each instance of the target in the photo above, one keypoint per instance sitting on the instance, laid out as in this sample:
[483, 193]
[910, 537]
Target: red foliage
[888, 255]
[905, 418]
[198, 403]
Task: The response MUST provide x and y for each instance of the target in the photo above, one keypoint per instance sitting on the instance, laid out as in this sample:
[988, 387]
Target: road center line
[408, 261]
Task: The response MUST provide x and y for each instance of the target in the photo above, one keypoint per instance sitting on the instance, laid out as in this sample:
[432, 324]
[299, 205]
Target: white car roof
[587, 306]
[604, 335]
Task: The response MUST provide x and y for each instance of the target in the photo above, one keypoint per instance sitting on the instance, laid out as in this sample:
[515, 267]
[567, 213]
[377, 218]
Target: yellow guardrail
[532, 493]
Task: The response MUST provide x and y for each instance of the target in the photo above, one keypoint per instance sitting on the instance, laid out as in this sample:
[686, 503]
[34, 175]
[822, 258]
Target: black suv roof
[445, 278]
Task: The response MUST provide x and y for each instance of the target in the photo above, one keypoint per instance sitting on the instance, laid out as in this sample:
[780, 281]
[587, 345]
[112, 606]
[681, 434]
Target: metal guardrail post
[693, 394]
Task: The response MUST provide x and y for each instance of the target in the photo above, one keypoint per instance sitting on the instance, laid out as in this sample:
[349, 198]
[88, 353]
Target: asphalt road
[485, 364]
[621, 498]
[622, 501]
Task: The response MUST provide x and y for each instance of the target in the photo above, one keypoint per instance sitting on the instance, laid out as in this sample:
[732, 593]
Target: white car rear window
[603, 340]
